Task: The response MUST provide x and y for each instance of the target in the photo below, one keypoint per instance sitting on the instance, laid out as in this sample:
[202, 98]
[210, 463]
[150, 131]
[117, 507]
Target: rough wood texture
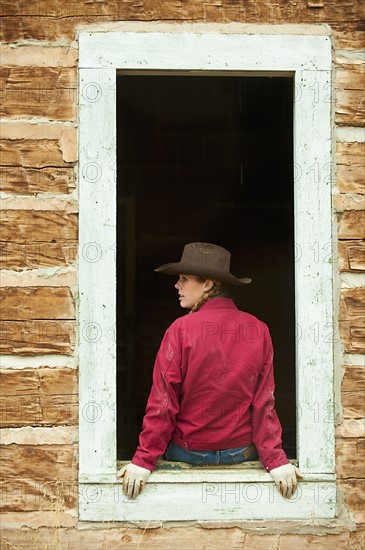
[34, 166]
[348, 39]
[59, 19]
[350, 168]
[351, 428]
[42, 238]
[42, 463]
[349, 93]
[38, 477]
[37, 337]
[36, 519]
[354, 493]
[32, 153]
[37, 320]
[350, 458]
[25, 303]
[352, 305]
[27, 226]
[29, 181]
[193, 538]
[38, 92]
[351, 224]
[351, 255]
[38, 254]
[38, 397]
[352, 320]
[353, 392]
[24, 495]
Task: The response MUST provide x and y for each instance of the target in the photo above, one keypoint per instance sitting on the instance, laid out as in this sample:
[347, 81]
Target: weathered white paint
[202, 51]
[223, 500]
[313, 271]
[174, 472]
[308, 58]
[97, 276]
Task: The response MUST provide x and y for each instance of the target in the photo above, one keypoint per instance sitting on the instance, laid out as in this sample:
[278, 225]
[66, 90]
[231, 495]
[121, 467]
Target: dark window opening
[202, 159]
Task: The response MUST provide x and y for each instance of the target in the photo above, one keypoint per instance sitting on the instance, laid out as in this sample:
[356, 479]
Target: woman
[212, 398]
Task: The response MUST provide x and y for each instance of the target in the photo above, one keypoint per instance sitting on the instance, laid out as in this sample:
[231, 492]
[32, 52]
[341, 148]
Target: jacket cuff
[149, 464]
[271, 464]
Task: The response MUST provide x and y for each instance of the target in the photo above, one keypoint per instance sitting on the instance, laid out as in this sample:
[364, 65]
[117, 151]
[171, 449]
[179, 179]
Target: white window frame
[234, 493]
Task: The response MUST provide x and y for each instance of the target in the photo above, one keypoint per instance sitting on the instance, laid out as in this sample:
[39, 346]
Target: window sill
[180, 492]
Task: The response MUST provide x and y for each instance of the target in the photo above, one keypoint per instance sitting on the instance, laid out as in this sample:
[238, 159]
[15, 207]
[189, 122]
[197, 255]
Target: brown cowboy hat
[205, 260]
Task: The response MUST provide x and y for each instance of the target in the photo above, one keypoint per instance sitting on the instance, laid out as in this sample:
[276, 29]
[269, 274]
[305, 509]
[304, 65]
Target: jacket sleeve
[163, 402]
[265, 422]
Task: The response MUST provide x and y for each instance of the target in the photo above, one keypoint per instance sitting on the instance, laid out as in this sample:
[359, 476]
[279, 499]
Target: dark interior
[202, 158]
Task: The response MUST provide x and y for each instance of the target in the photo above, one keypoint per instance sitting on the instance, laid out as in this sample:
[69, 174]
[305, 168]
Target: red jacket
[213, 387]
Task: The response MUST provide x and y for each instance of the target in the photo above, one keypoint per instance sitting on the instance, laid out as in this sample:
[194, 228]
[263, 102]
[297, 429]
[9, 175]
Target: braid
[217, 291]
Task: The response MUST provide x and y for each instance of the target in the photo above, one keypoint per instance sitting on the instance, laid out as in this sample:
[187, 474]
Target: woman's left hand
[286, 478]
[134, 477]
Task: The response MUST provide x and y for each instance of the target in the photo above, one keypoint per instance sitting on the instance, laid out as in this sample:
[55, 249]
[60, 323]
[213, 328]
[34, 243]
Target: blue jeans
[203, 458]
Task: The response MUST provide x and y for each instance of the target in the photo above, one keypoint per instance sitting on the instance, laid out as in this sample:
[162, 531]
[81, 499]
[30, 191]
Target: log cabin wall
[38, 257]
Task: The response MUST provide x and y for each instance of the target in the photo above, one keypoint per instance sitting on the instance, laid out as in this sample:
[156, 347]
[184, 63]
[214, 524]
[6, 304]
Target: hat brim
[216, 274]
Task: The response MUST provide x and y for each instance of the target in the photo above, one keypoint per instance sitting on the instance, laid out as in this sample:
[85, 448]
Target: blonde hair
[218, 290]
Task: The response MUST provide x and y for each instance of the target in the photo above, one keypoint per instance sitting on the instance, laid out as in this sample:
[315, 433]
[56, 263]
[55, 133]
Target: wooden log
[354, 494]
[191, 537]
[39, 411]
[256, 11]
[351, 255]
[25, 303]
[350, 169]
[32, 153]
[36, 519]
[351, 224]
[60, 19]
[352, 305]
[31, 166]
[351, 428]
[37, 477]
[38, 225]
[352, 320]
[37, 254]
[41, 463]
[37, 337]
[353, 403]
[352, 337]
[350, 458]
[349, 93]
[353, 379]
[353, 392]
[38, 397]
[30, 181]
[350, 38]
[24, 495]
[48, 92]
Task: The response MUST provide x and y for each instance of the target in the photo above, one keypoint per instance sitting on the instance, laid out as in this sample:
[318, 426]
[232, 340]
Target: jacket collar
[218, 303]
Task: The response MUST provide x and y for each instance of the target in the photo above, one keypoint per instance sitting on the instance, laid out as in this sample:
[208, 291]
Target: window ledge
[213, 493]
